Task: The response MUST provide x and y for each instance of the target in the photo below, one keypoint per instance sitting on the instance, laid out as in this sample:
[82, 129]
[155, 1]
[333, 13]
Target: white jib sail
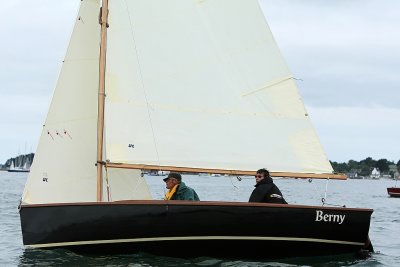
[203, 84]
[64, 166]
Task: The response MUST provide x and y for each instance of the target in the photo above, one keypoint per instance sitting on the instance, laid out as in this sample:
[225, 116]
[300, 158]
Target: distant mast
[101, 98]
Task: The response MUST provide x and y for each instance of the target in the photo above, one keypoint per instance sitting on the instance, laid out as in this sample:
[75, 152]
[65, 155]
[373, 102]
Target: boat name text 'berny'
[320, 216]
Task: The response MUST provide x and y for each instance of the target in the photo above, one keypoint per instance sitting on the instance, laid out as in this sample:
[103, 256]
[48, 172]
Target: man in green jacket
[177, 190]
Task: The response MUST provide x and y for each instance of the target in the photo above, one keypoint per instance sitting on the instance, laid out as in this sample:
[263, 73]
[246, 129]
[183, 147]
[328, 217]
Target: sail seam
[268, 85]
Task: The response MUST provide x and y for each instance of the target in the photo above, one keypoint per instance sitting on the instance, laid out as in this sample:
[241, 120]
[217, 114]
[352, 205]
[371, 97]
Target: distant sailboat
[24, 168]
[172, 65]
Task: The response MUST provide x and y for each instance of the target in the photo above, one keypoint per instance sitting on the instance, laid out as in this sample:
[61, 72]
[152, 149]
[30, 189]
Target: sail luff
[101, 98]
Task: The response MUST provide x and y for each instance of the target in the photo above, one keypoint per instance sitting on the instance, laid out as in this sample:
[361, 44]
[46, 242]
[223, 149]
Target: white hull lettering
[336, 218]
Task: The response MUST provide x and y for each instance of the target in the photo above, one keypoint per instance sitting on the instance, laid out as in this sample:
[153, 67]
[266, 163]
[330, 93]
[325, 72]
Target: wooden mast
[101, 97]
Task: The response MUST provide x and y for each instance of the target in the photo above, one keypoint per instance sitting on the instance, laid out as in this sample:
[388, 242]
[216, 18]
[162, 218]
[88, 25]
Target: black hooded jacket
[267, 192]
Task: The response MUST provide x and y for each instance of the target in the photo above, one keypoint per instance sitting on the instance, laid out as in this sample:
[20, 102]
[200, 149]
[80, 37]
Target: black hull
[189, 229]
[18, 170]
[393, 191]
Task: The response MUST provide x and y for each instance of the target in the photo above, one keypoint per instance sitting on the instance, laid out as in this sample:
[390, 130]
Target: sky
[345, 55]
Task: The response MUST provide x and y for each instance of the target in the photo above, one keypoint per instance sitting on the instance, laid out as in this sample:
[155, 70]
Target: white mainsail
[202, 84]
[189, 84]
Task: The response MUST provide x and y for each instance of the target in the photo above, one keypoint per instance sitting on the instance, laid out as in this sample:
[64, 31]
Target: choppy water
[384, 232]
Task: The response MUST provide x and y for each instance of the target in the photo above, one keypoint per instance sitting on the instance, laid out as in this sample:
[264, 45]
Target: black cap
[175, 175]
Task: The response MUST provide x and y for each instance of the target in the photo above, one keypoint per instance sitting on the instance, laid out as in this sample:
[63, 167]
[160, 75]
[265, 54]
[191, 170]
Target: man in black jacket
[265, 190]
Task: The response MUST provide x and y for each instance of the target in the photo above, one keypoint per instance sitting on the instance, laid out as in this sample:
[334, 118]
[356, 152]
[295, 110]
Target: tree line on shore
[365, 166]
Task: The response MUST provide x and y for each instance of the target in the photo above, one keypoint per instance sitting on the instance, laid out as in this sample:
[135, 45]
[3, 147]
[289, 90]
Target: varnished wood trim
[185, 238]
[229, 172]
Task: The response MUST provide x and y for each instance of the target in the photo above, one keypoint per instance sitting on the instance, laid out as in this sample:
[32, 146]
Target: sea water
[384, 231]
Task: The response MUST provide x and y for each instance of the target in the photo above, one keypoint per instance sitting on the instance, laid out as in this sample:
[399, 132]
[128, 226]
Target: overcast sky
[346, 54]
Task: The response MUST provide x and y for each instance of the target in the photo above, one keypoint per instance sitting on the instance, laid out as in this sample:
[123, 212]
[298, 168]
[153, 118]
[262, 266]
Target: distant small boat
[393, 191]
[158, 173]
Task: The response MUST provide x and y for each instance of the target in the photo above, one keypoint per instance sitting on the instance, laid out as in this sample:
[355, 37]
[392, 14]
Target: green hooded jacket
[185, 192]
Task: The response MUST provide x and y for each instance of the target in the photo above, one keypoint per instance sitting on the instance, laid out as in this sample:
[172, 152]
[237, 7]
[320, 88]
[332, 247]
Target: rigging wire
[142, 83]
[139, 181]
[109, 198]
[108, 185]
[325, 194]
[317, 192]
[234, 186]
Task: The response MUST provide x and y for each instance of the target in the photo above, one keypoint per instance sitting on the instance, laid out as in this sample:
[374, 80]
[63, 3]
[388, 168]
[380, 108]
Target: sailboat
[13, 168]
[134, 83]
